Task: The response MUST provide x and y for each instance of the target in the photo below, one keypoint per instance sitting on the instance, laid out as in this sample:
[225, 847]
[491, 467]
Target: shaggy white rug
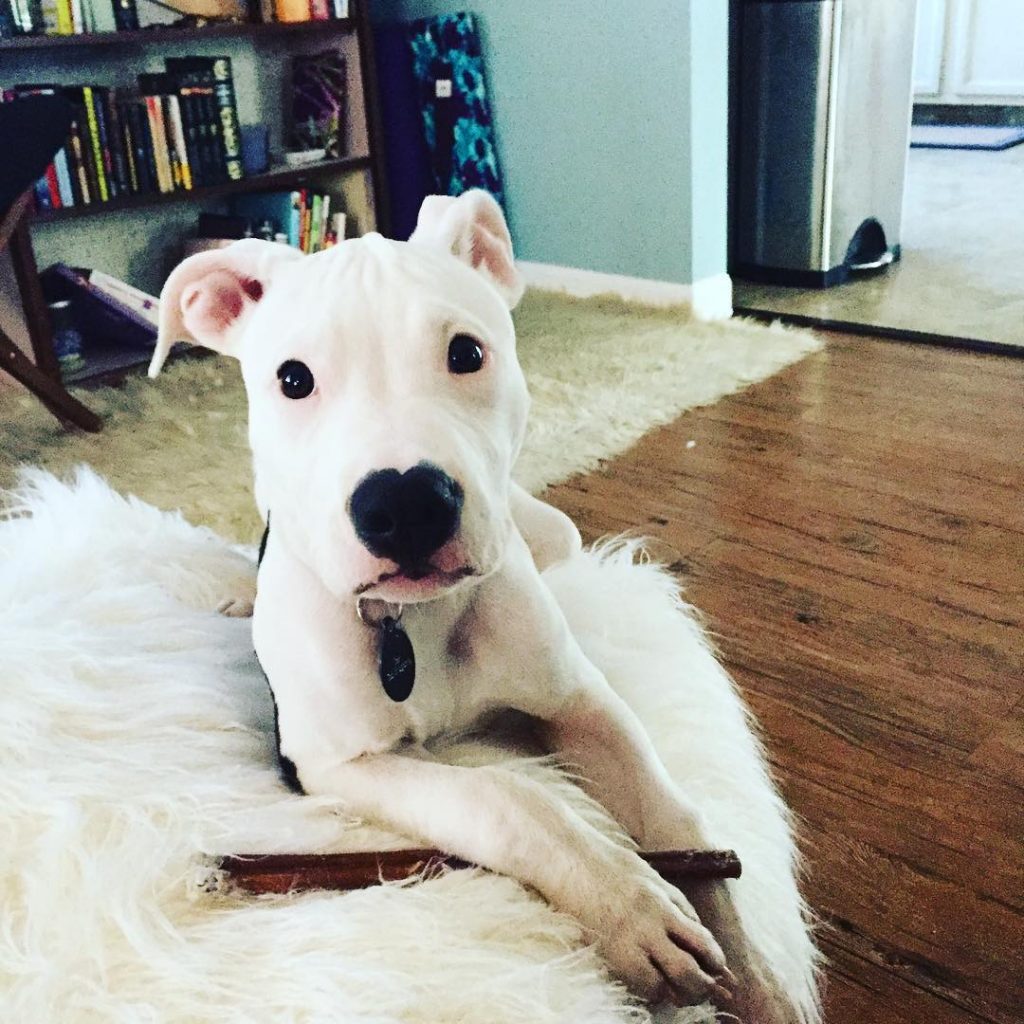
[602, 373]
[135, 738]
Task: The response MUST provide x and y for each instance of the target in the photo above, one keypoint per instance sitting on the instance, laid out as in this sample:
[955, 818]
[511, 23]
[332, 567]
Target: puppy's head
[386, 403]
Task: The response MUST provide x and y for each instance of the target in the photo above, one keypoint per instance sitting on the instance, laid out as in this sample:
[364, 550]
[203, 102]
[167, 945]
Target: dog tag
[396, 661]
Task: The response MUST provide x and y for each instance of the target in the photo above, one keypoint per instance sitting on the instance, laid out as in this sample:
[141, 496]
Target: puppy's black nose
[406, 516]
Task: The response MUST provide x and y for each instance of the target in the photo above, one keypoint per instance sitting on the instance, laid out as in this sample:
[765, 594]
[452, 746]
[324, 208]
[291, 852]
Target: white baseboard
[710, 298]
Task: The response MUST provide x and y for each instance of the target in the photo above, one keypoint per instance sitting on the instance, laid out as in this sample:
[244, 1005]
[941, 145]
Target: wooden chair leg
[41, 377]
[37, 313]
[49, 391]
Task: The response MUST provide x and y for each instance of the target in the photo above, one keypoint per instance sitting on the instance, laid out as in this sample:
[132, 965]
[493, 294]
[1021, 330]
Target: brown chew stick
[295, 872]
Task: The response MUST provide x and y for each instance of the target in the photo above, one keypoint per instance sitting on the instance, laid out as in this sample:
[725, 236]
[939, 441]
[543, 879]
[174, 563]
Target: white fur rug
[602, 372]
[135, 738]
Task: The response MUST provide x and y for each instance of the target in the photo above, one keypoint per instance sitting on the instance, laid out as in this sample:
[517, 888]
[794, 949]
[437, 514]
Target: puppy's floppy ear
[472, 228]
[209, 296]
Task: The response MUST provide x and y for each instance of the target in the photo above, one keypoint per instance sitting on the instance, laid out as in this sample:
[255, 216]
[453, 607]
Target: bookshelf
[275, 178]
[169, 34]
[139, 237]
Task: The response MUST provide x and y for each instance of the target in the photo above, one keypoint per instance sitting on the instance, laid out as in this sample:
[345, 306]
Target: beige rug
[602, 373]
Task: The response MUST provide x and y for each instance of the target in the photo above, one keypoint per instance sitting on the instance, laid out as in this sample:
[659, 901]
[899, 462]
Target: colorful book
[183, 174]
[292, 10]
[319, 10]
[146, 305]
[63, 172]
[318, 101]
[94, 142]
[158, 140]
[99, 96]
[78, 168]
[100, 317]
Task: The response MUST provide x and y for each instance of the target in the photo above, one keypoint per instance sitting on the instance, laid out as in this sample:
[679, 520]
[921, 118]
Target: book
[79, 174]
[294, 229]
[319, 84]
[126, 15]
[106, 139]
[128, 134]
[224, 90]
[319, 10]
[292, 10]
[63, 172]
[177, 134]
[65, 26]
[313, 238]
[99, 15]
[101, 318]
[198, 87]
[215, 73]
[340, 8]
[146, 305]
[94, 143]
[144, 151]
[158, 140]
[51, 17]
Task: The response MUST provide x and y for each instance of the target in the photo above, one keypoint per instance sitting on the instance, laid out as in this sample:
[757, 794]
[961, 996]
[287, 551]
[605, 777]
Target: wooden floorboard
[853, 531]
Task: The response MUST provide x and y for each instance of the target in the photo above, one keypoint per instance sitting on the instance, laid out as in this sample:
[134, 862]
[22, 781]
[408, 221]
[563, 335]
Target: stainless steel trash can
[823, 122]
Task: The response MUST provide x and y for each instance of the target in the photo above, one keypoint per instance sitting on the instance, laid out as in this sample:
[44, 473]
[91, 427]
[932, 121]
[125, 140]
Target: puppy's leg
[549, 533]
[504, 821]
[597, 733]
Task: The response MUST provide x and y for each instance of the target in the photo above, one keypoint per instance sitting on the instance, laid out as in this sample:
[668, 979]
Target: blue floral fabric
[458, 127]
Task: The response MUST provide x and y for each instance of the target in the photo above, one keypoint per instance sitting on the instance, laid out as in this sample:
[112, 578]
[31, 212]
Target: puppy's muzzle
[408, 516]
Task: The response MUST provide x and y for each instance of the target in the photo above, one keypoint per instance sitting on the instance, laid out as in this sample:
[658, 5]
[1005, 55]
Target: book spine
[319, 10]
[292, 10]
[314, 224]
[306, 220]
[115, 133]
[158, 139]
[128, 152]
[99, 98]
[148, 149]
[81, 174]
[192, 128]
[126, 15]
[207, 154]
[77, 18]
[180, 144]
[60, 163]
[224, 90]
[340, 9]
[65, 26]
[51, 17]
[295, 219]
[325, 221]
[53, 186]
[198, 73]
[95, 144]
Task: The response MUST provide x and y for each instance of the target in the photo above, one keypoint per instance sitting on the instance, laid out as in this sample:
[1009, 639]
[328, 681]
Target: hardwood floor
[854, 531]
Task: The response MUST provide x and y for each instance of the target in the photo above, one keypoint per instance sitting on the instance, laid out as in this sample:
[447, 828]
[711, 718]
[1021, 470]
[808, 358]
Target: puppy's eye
[465, 354]
[296, 379]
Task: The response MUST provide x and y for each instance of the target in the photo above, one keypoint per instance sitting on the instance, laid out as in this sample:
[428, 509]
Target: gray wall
[611, 129]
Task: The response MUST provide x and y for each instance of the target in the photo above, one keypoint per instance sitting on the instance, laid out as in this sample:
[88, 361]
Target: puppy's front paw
[652, 939]
[239, 607]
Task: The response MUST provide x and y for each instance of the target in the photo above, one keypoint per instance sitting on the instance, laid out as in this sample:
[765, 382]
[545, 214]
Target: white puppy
[399, 594]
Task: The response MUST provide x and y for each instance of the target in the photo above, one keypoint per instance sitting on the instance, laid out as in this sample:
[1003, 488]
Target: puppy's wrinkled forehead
[373, 291]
